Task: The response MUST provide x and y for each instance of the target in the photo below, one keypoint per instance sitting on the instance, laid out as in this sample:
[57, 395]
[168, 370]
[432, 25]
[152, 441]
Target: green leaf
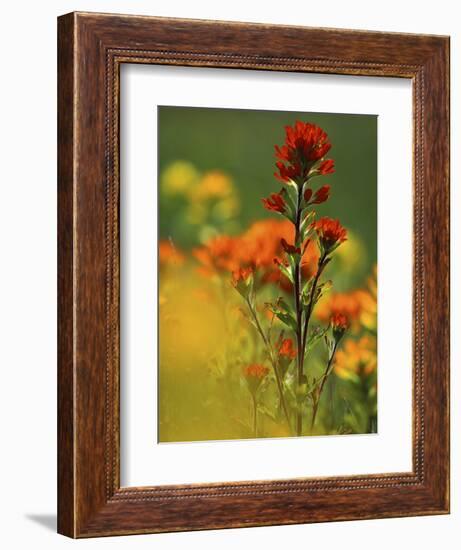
[323, 289]
[285, 306]
[284, 316]
[306, 291]
[287, 319]
[287, 272]
[314, 337]
[245, 286]
[305, 227]
[292, 195]
[287, 197]
[294, 261]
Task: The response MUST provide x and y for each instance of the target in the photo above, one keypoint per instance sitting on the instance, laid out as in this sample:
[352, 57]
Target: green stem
[311, 303]
[255, 415]
[322, 384]
[273, 362]
[298, 308]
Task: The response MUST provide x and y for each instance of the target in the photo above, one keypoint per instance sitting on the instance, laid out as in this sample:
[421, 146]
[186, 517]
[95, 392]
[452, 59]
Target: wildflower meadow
[268, 274]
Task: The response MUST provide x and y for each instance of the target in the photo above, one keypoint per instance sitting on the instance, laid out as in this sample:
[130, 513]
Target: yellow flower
[359, 306]
[179, 178]
[369, 300]
[227, 208]
[214, 195]
[350, 256]
[213, 185]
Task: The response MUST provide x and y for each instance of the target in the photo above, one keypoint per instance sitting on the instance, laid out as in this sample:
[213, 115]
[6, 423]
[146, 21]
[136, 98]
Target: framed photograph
[253, 275]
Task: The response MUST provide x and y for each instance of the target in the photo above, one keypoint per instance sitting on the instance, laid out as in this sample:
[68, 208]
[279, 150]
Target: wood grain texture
[91, 49]
[66, 108]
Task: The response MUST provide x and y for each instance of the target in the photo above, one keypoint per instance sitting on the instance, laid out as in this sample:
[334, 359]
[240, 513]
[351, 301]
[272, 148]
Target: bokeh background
[214, 166]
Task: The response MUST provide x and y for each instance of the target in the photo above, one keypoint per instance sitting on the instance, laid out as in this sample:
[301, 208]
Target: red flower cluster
[339, 321]
[289, 248]
[321, 195]
[255, 371]
[339, 324]
[330, 232]
[241, 275]
[286, 349]
[275, 202]
[305, 145]
[254, 375]
[327, 167]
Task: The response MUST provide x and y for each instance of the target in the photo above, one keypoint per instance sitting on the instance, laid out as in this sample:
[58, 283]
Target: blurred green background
[241, 144]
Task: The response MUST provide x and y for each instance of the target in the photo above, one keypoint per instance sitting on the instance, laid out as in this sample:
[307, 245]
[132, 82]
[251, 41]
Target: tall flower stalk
[301, 160]
[254, 376]
[243, 282]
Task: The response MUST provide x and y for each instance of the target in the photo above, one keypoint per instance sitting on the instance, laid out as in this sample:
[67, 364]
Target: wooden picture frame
[92, 48]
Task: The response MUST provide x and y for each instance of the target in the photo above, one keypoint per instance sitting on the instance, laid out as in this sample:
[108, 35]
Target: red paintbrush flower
[286, 353]
[321, 195]
[286, 349]
[242, 279]
[287, 173]
[255, 371]
[289, 248]
[305, 145]
[241, 275]
[275, 202]
[308, 194]
[339, 324]
[326, 167]
[330, 233]
[254, 375]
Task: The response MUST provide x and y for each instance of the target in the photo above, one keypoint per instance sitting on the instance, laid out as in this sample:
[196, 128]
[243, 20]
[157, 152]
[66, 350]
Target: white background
[143, 462]
[28, 274]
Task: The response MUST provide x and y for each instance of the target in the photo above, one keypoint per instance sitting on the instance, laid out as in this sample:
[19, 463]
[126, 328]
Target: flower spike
[305, 146]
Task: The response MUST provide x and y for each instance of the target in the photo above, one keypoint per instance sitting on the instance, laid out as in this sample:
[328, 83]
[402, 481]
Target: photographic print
[267, 290]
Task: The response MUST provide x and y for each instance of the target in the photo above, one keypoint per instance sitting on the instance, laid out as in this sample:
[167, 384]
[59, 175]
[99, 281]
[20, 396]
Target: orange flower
[339, 321]
[309, 263]
[359, 306]
[255, 371]
[347, 304]
[169, 255]
[261, 242]
[254, 375]
[286, 349]
[330, 233]
[356, 358]
[310, 260]
[241, 275]
[256, 248]
[339, 324]
[242, 279]
[218, 255]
